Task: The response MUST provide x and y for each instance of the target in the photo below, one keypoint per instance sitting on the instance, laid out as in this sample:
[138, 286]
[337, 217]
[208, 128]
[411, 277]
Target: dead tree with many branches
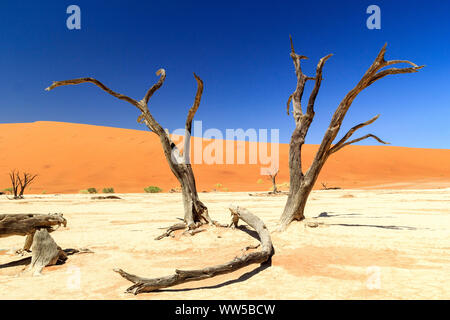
[19, 184]
[301, 183]
[195, 212]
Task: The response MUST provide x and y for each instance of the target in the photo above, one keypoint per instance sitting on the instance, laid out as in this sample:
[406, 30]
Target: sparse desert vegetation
[152, 189]
[108, 190]
[92, 190]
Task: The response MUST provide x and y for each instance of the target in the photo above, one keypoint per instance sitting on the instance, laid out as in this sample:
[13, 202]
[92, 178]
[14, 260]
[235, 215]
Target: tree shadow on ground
[242, 278]
[351, 215]
[27, 260]
[21, 262]
[372, 226]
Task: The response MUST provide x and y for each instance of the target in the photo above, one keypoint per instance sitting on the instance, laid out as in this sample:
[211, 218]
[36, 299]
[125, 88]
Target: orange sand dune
[71, 157]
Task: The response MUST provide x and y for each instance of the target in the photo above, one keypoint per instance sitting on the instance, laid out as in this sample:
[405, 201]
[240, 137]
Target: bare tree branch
[351, 131]
[333, 150]
[27, 180]
[98, 84]
[13, 175]
[190, 117]
[296, 97]
[289, 104]
[391, 62]
[318, 78]
[391, 71]
[372, 74]
[194, 108]
[162, 73]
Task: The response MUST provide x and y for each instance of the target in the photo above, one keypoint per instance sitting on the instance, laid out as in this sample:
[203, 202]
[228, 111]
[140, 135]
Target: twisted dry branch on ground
[182, 276]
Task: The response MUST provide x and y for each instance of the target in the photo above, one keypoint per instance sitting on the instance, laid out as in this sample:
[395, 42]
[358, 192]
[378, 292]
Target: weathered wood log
[27, 224]
[45, 252]
[183, 276]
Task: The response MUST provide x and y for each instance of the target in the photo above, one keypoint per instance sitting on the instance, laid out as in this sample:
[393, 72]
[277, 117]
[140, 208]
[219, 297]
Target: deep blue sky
[241, 51]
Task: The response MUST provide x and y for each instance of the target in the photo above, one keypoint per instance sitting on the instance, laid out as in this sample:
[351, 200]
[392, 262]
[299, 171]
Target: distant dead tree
[19, 184]
[273, 176]
[326, 187]
[195, 212]
[301, 183]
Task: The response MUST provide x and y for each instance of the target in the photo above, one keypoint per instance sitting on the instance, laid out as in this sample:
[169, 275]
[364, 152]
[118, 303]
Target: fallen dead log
[182, 276]
[27, 224]
[36, 228]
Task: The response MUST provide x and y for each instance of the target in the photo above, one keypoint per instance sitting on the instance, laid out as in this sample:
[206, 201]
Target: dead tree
[19, 184]
[182, 276]
[273, 176]
[301, 183]
[195, 212]
[325, 187]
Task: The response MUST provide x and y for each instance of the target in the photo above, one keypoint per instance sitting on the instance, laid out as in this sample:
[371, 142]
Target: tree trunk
[297, 198]
[298, 194]
[295, 205]
[45, 252]
[194, 210]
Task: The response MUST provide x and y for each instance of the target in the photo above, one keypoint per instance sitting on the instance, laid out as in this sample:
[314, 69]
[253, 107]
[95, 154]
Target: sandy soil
[71, 157]
[399, 237]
